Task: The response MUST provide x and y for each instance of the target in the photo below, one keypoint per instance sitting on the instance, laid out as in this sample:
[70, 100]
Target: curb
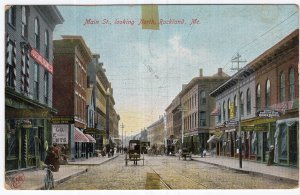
[108, 159]
[56, 182]
[274, 177]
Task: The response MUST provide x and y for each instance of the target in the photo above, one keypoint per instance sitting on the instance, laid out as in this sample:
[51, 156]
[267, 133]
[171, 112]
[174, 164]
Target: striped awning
[91, 139]
[79, 136]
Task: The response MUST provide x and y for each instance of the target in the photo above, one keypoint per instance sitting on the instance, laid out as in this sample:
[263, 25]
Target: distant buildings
[28, 83]
[156, 132]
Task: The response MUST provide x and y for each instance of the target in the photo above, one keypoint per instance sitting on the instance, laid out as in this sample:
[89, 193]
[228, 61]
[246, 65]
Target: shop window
[292, 84]
[258, 97]
[12, 140]
[37, 34]
[253, 143]
[202, 98]
[283, 143]
[282, 87]
[24, 28]
[31, 142]
[12, 16]
[248, 101]
[268, 93]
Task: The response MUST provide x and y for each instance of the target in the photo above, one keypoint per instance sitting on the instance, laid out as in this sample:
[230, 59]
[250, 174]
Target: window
[24, 71]
[268, 93]
[242, 104]
[292, 84]
[24, 30]
[10, 64]
[228, 109]
[47, 45]
[36, 82]
[224, 111]
[235, 106]
[248, 101]
[202, 119]
[37, 34]
[282, 87]
[12, 16]
[46, 87]
[258, 97]
[76, 70]
[202, 98]
[219, 116]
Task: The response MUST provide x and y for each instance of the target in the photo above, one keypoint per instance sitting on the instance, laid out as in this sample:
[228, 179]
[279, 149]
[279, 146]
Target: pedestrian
[201, 152]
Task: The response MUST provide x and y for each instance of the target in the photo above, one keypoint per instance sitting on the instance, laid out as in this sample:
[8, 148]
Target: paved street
[163, 172]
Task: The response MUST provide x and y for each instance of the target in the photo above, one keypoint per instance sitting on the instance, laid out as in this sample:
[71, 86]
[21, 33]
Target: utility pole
[122, 126]
[237, 60]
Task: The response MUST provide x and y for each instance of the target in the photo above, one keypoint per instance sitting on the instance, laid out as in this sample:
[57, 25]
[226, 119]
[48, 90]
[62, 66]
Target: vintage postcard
[150, 96]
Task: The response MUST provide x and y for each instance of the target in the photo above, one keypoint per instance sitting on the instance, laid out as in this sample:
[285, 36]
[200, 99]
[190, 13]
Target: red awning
[215, 112]
[91, 139]
[79, 136]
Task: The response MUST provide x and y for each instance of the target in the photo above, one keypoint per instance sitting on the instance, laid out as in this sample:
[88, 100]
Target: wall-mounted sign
[41, 60]
[60, 133]
[62, 120]
[231, 123]
[255, 128]
[268, 113]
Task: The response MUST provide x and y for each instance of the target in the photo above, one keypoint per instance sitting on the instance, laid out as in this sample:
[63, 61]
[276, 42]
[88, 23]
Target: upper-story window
[46, 45]
[228, 109]
[242, 104]
[235, 105]
[12, 16]
[268, 93]
[46, 87]
[258, 97]
[291, 84]
[37, 33]
[202, 98]
[24, 29]
[282, 87]
[202, 119]
[248, 101]
[224, 111]
[10, 63]
[36, 82]
[219, 115]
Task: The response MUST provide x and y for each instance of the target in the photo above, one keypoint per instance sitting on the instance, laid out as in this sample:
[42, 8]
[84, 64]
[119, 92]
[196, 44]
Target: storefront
[81, 142]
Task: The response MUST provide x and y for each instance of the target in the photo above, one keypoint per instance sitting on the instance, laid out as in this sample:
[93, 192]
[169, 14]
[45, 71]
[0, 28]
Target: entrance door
[265, 146]
[23, 146]
[293, 143]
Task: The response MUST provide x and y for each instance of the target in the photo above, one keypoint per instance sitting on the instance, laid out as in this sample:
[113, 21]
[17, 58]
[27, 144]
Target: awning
[91, 139]
[215, 112]
[79, 136]
[212, 138]
[229, 130]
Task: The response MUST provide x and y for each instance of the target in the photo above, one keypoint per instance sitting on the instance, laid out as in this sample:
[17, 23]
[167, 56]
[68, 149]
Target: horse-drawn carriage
[134, 152]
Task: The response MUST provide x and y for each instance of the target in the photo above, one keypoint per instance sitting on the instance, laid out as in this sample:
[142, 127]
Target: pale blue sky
[175, 52]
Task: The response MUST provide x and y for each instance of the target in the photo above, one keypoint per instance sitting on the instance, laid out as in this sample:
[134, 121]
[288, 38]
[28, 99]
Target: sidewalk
[34, 179]
[93, 160]
[274, 172]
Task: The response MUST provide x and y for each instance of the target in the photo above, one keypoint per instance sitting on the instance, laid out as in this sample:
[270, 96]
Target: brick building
[270, 84]
[70, 85]
[28, 83]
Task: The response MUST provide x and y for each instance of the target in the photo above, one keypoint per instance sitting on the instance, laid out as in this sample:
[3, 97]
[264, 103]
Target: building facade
[269, 105]
[196, 106]
[28, 83]
[156, 133]
[71, 58]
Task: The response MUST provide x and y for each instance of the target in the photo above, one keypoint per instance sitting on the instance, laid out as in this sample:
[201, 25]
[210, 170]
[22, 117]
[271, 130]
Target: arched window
[258, 97]
[242, 104]
[282, 87]
[224, 111]
[12, 15]
[291, 84]
[268, 93]
[202, 98]
[47, 44]
[248, 101]
[228, 109]
[37, 34]
[235, 105]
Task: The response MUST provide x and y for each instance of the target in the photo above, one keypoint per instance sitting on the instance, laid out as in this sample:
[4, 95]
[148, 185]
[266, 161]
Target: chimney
[220, 72]
[200, 72]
